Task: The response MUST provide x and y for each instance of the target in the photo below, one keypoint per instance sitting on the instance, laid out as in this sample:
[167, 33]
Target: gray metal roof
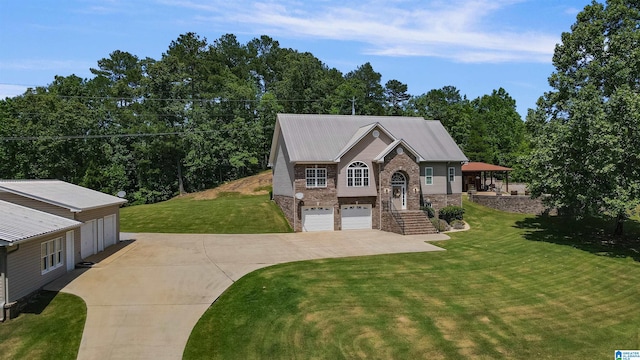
[73, 197]
[321, 138]
[22, 223]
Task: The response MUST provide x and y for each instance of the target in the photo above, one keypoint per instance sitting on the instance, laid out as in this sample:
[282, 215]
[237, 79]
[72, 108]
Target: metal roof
[480, 166]
[73, 197]
[322, 137]
[21, 223]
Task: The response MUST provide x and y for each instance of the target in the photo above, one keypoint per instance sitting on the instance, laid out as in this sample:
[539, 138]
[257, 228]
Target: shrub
[451, 212]
[431, 213]
[440, 224]
[457, 224]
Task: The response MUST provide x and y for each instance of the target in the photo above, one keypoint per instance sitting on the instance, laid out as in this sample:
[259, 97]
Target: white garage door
[88, 237]
[356, 217]
[317, 218]
[109, 230]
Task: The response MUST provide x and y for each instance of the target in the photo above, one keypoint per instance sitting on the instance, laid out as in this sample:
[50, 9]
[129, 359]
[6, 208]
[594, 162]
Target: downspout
[3, 279]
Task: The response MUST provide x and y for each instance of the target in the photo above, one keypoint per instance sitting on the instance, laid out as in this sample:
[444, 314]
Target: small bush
[451, 212]
[457, 224]
[431, 213]
[440, 224]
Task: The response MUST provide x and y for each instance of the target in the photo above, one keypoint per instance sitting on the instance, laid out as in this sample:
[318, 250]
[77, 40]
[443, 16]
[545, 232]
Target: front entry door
[399, 191]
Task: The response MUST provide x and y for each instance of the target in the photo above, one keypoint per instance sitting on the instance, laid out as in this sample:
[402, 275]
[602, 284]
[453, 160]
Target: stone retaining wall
[522, 204]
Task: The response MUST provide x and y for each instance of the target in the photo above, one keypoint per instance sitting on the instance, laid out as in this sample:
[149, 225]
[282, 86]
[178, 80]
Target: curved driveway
[144, 299]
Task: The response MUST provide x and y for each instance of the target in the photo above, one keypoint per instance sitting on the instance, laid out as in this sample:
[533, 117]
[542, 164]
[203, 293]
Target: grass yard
[514, 287]
[229, 213]
[50, 328]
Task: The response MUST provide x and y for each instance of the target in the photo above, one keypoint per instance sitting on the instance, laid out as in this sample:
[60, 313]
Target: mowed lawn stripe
[496, 293]
[229, 213]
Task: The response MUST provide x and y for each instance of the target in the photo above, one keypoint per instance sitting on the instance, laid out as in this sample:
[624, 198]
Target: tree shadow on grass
[593, 235]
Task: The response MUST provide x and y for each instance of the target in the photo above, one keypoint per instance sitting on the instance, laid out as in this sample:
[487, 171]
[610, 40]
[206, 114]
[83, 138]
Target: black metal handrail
[396, 214]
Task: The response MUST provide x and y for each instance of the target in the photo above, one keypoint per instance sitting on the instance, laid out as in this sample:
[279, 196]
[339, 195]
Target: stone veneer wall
[522, 204]
[402, 162]
[389, 223]
[286, 204]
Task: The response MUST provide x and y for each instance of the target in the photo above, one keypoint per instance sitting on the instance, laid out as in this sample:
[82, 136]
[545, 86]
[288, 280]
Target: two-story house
[340, 172]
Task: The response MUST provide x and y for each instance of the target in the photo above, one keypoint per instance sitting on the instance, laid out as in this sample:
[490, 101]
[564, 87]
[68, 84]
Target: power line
[105, 136]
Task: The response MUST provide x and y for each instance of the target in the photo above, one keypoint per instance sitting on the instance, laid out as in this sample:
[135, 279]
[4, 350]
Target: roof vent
[399, 150]
[375, 133]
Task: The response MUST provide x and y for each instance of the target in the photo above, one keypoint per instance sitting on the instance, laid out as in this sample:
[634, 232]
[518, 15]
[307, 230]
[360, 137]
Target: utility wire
[106, 136]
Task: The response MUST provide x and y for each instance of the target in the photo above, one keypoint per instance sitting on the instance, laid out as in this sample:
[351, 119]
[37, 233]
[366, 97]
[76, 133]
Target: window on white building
[51, 254]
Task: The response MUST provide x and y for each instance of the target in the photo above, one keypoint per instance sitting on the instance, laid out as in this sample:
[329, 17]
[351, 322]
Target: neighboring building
[35, 248]
[98, 212]
[475, 176]
[339, 172]
[46, 228]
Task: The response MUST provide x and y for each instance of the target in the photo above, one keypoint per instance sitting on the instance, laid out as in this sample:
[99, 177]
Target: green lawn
[230, 213]
[514, 287]
[50, 328]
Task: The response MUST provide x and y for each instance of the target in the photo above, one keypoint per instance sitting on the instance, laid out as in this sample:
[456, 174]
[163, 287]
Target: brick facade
[380, 218]
[286, 204]
[326, 196]
[406, 165]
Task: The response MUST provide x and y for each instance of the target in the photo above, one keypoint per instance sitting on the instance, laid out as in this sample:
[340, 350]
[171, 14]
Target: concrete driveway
[145, 295]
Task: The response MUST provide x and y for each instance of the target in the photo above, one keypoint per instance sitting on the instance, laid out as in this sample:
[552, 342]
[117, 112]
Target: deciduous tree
[585, 156]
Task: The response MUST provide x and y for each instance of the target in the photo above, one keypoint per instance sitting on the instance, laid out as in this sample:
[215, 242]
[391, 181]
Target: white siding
[24, 274]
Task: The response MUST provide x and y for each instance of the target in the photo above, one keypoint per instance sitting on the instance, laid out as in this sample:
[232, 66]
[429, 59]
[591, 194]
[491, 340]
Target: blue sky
[474, 45]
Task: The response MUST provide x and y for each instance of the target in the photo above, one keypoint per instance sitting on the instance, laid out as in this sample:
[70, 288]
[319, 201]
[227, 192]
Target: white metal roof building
[63, 194]
[20, 223]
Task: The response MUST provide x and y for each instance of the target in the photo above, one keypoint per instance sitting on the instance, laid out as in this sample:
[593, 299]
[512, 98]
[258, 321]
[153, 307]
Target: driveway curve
[144, 298]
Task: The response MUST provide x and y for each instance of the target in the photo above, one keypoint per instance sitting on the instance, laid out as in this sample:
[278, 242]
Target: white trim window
[358, 174]
[452, 174]
[51, 255]
[316, 177]
[428, 176]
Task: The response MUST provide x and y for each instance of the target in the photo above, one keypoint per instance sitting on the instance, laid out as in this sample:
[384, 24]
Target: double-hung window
[428, 176]
[51, 255]
[452, 174]
[316, 177]
[358, 174]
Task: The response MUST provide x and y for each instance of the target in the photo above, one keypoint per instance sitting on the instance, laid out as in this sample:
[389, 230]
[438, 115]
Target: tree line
[204, 114]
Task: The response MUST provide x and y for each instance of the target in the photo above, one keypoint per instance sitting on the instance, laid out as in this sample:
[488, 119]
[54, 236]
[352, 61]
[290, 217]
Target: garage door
[317, 218]
[88, 239]
[109, 230]
[356, 217]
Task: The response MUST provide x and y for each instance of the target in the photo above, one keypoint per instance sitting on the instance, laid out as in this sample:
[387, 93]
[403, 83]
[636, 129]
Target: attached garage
[317, 218]
[356, 217]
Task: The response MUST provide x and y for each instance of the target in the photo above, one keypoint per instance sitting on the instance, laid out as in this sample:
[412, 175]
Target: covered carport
[475, 174]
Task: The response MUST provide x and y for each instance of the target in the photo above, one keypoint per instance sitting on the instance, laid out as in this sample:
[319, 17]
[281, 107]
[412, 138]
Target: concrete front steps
[416, 222]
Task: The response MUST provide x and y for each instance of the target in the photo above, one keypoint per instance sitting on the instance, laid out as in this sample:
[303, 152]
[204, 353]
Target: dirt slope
[252, 185]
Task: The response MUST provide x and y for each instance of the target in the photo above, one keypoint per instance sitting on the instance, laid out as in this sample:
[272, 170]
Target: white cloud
[46, 64]
[459, 30]
[8, 90]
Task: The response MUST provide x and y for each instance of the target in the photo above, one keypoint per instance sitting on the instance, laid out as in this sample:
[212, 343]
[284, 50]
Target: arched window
[358, 174]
